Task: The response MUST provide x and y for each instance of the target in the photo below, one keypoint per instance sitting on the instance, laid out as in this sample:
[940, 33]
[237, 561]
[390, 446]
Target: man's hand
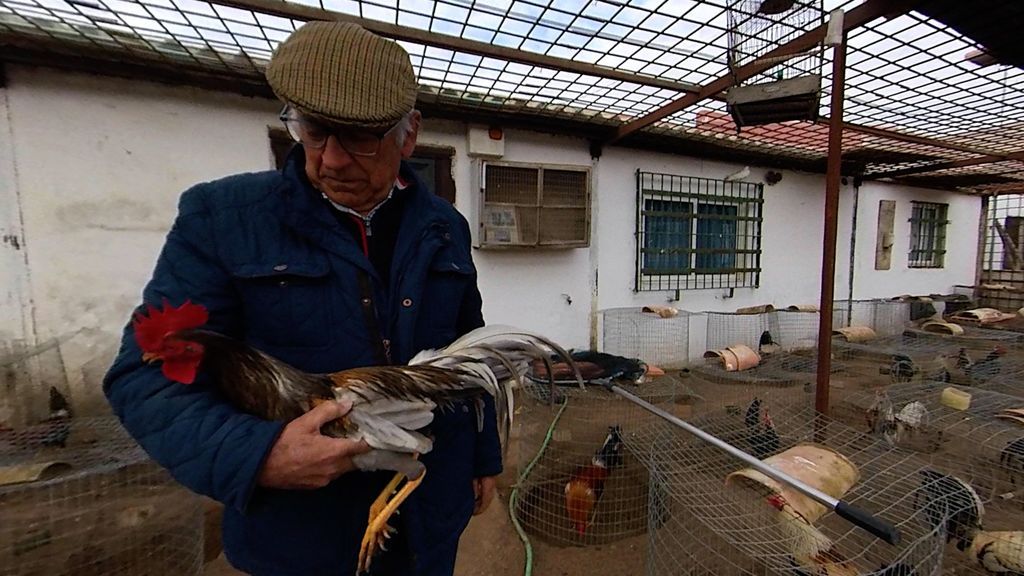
[302, 457]
[484, 489]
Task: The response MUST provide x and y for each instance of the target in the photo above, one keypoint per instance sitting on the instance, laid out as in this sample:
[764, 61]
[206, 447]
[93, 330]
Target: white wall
[98, 165]
[531, 288]
[961, 243]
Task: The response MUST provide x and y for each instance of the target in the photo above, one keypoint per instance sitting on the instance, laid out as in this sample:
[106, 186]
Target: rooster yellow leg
[382, 509]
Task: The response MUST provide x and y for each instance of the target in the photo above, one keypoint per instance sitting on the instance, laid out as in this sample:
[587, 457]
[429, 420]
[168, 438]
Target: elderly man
[340, 260]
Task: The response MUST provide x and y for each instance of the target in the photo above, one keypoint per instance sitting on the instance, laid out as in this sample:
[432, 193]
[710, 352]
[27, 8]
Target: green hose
[528, 568]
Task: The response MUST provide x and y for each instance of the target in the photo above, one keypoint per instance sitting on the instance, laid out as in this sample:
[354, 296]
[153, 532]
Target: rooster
[999, 552]
[988, 367]
[766, 345]
[1012, 458]
[52, 431]
[389, 403]
[953, 505]
[902, 369]
[761, 434]
[881, 416]
[585, 486]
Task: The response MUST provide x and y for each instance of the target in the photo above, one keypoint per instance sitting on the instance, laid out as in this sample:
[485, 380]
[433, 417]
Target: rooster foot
[383, 508]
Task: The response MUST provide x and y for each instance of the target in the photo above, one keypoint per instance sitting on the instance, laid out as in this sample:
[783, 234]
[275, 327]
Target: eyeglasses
[314, 134]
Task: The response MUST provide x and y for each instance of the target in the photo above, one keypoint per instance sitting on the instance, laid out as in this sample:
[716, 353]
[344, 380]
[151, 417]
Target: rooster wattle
[390, 404]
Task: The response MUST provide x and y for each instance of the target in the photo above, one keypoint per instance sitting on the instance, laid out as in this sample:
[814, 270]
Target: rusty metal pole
[828, 252]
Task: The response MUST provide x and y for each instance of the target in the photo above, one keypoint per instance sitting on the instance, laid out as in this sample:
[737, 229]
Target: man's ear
[414, 129]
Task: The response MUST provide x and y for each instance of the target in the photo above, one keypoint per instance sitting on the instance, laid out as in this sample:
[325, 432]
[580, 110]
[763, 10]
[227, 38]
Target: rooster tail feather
[495, 358]
[442, 386]
[516, 345]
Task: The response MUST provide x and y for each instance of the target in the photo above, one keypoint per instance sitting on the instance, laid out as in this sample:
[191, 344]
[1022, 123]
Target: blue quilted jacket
[274, 267]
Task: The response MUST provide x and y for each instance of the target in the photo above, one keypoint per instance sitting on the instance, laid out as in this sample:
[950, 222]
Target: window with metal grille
[695, 233]
[927, 235]
[534, 205]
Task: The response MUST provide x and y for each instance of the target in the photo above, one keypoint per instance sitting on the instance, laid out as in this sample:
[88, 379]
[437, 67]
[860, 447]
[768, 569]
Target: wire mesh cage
[885, 317]
[728, 329]
[580, 483]
[782, 369]
[972, 431]
[756, 27]
[26, 372]
[898, 358]
[910, 357]
[78, 496]
[787, 329]
[780, 343]
[633, 333]
[702, 525]
[972, 336]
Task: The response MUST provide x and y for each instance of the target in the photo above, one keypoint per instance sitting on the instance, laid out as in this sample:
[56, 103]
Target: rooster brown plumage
[586, 484]
[389, 403]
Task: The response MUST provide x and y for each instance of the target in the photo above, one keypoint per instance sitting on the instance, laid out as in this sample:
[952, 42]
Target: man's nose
[334, 155]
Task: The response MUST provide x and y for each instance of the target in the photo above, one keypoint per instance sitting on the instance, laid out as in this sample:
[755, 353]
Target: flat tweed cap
[341, 73]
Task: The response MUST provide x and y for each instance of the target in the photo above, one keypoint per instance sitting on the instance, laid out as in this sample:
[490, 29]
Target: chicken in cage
[953, 507]
[969, 428]
[78, 496]
[726, 519]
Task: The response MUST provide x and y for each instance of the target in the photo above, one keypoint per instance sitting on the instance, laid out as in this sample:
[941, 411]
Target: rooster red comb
[150, 330]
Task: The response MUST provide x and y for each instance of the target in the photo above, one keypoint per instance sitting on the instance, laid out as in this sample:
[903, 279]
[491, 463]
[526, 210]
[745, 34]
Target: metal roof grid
[600, 62]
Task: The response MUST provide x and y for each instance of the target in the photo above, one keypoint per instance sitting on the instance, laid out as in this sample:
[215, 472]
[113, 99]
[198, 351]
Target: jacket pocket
[286, 304]
[444, 290]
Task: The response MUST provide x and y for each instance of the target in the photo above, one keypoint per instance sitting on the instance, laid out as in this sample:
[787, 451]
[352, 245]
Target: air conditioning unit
[532, 206]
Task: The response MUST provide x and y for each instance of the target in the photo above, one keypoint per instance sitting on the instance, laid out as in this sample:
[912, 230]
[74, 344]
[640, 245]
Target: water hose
[513, 497]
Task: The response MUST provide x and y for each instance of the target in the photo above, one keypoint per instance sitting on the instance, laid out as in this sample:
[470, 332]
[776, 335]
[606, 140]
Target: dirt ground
[490, 547]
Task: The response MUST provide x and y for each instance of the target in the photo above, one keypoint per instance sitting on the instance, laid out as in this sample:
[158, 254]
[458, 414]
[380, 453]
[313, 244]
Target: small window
[434, 168]
[927, 235]
[697, 233]
[531, 205]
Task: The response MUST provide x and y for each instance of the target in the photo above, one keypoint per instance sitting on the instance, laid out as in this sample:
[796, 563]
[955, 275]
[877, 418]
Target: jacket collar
[305, 212]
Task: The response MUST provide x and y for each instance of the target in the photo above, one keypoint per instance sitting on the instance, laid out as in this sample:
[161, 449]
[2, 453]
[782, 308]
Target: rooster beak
[150, 357]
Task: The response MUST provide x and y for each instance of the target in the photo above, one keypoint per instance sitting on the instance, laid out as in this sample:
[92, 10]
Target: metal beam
[946, 166]
[828, 252]
[857, 17]
[922, 140]
[307, 13]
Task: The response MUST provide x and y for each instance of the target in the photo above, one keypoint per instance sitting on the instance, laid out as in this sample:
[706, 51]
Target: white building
[91, 168]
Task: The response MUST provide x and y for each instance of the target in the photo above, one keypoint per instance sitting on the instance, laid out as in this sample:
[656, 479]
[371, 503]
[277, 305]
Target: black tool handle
[869, 522]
